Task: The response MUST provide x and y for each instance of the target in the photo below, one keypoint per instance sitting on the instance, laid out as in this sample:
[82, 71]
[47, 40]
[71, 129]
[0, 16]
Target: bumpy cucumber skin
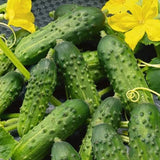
[75, 26]
[121, 68]
[108, 112]
[107, 144]
[78, 82]
[10, 87]
[61, 123]
[144, 131]
[65, 8]
[5, 63]
[63, 150]
[95, 69]
[39, 90]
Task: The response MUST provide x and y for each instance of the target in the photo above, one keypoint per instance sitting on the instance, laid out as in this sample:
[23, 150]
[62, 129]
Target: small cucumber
[95, 69]
[76, 27]
[122, 70]
[61, 122]
[63, 150]
[144, 131]
[107, 144]
[108, 112]
[11, 85]
[75, 73]
[40, 88]
[65, 8]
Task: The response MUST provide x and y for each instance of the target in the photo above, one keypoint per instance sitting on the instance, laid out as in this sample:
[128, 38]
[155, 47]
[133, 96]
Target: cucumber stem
[14, 59]
[124, 124]
[55, 101]
[9, 116]
[10, 122]
[11, 128]
[125, 138]
[104, 91]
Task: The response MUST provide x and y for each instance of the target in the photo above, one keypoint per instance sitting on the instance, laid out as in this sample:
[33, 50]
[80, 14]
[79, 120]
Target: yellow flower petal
[133, 36]
[18, 14]
[153, 29]
[122, 22]
[24, 21]
[150, 9]
[117, 6]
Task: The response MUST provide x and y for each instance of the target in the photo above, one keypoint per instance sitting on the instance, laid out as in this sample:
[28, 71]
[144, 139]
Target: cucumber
[61, 122]
[122, 70]
[77, 27]
[63, 150]
[108, 112]
[5, 63]
[11, 85]
[107, 144]
[153, 75]
[75, 73]
[39, 91]
[144, 131]
[95, 69]
[65, 8]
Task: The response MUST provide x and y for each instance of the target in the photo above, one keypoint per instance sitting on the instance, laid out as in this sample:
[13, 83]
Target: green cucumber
[77, 27]
[63, 150]
[40, 88]
[122, 70]
[10, 87]
[107, 144]
[61, 122]
[95, 69]
[5, 63]
[75, 73]
[153, 75]
[144, 131]
[65, 8]
[108, 112]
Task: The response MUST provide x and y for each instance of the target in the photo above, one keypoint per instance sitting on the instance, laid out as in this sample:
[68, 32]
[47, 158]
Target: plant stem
[125, 138]
[9, 116]
[11, 128]
[55, 101]
[124, 124]
[104, 91]
[10, 122]
[14, 59]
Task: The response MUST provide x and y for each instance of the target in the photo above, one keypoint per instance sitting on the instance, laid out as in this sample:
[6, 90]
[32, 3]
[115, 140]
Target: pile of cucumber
[120, 122]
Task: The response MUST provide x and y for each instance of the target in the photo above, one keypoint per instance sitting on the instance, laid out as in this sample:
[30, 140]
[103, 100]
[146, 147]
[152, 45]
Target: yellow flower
[141, 20]
[116, 6]
[18, 14]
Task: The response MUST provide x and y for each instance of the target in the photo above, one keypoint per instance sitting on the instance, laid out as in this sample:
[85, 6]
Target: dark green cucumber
[153, 75]
[95, 69]
[40, 88]
[65, 8]
[108, 112]
[122, 70]
[62, 150]
[75, 26]
[75, 73]
[107, 144]
[5, 63]
[144, 131]
[61, 122]
[10, 87]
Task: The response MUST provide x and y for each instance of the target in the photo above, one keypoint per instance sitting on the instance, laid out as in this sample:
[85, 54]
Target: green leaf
[7, 144]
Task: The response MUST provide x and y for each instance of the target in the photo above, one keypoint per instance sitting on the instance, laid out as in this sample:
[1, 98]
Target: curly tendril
[134, 96]
[5, 40]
